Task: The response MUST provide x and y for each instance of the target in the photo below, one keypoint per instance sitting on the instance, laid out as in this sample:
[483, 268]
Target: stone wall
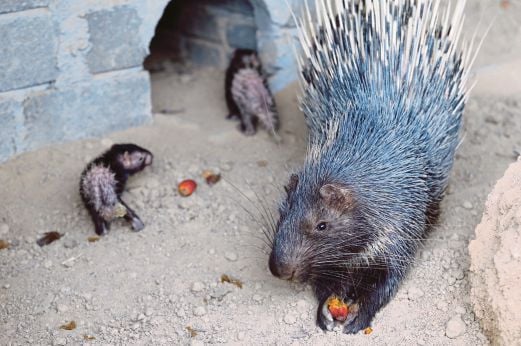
[72, 69]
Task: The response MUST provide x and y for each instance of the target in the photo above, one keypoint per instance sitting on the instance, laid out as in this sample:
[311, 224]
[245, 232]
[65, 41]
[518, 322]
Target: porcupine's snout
[281, 267]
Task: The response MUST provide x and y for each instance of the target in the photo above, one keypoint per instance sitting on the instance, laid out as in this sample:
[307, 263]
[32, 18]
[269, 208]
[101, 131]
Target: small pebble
[443, 306]
[231, 256]
[414, 293]
[200, 311]
[455, 327]
[290, 319]
[460, 310]
[62, 308]
[4, 228]
[70, 243]
[257, 298]
[467, 205]
[197, 286]
[226, 166]
[47, 264]
[60, 341]
[149, 312]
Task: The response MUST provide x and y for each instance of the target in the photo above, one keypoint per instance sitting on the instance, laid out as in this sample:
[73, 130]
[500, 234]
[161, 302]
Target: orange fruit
[186, 187]
[337, 308]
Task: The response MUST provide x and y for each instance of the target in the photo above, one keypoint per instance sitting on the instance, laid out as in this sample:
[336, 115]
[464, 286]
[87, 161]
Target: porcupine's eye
[322, 226]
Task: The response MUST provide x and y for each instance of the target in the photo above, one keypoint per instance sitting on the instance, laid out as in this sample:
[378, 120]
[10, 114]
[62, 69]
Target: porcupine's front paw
[325, 319]
[361, 320]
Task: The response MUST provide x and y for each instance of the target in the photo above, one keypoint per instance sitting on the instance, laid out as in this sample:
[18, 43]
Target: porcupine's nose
[281, 269]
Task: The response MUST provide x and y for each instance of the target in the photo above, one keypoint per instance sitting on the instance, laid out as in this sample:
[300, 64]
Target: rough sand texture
[495, 269]
[162, 286]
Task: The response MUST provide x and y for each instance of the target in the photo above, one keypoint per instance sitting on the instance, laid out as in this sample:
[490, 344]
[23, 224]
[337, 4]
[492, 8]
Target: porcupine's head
[320, 231]
[130, 157]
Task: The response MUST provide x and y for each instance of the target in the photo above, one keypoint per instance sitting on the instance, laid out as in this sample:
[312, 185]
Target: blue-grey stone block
[115, 39]
[204, 53]
[87, 111]
[242, 35]
[10, 124]
[28, 51]
[20, 5]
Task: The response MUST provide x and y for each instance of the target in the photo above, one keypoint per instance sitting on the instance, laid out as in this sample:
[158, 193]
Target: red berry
[337, 308]
[186, 187]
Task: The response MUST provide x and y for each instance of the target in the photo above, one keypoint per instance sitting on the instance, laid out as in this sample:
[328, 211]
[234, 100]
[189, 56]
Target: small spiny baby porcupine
[248, 96]
[103, 181]
[383, 95]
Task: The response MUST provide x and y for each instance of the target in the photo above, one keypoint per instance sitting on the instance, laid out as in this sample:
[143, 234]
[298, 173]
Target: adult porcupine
[383, 95]
[103, 181]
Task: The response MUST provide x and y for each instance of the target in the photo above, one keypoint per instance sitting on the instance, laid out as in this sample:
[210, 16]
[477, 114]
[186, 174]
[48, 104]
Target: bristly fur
[99, 186]
[247, 93]
[384, 88]
[103, 181]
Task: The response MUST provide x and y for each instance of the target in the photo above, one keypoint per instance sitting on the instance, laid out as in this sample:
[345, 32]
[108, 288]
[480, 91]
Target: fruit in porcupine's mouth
[337, 308]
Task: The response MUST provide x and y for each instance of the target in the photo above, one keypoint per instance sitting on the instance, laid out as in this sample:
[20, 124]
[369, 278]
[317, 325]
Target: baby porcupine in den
[384, 88]
[248, 96]
[103, 181]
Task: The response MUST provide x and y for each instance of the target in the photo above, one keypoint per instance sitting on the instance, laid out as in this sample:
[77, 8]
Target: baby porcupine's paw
[247, 130]
[137, 224]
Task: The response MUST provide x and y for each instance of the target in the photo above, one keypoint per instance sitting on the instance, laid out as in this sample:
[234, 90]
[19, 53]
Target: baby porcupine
[103, 181]
[248, 96]
[383, 95]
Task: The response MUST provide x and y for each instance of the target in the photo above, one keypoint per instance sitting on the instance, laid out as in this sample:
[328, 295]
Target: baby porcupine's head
[247, 58]
[320, 231]
[132, 158]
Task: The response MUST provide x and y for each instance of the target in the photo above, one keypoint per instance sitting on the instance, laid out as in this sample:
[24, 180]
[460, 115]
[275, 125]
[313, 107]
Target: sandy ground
[162, 285]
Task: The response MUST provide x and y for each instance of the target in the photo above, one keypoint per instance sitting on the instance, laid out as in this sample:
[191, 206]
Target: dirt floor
[163, 285]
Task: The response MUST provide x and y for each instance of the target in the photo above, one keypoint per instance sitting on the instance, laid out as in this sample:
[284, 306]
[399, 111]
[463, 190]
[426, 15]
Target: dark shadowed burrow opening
[202, 33]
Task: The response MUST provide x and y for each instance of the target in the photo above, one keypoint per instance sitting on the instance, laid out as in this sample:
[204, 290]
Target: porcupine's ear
[292, 185]
[337, 196]
[126, 160]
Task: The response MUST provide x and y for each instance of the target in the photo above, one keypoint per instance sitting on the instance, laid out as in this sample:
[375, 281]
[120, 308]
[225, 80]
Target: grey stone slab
[87, 111]
[115, 39]
[242, 35]
[10, 126]
[20, 5]
[28, 51]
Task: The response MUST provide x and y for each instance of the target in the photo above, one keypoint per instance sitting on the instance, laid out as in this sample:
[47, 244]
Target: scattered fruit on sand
[186, 187]
[69, 326]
